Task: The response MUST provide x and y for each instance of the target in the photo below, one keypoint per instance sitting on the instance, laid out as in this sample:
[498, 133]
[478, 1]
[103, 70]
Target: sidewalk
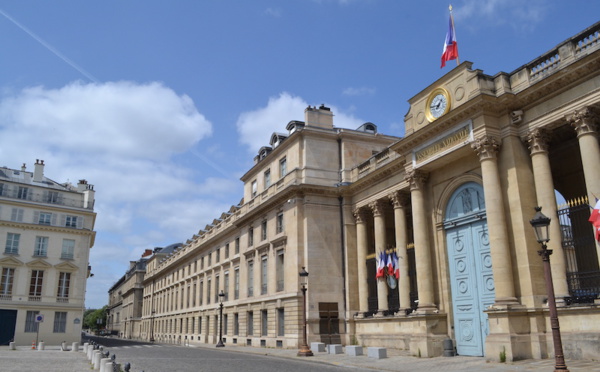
[399, 360]
[52, 359]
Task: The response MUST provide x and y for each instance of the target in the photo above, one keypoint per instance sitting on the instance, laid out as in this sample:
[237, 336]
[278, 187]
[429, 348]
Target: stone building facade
[452, 200]
[47, 230]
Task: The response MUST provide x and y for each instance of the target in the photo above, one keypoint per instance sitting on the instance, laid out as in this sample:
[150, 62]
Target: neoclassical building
[452, 200]
[47, 231]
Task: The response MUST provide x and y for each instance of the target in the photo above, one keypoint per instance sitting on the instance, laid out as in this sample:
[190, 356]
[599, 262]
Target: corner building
[452, 200]
[47, 231]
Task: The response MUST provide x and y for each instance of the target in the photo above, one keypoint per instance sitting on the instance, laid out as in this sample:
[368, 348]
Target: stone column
[585, 123]
[417, 181]
[361, 257]
[378, 208]
[487, 149]
[544, 187]
[400, 201]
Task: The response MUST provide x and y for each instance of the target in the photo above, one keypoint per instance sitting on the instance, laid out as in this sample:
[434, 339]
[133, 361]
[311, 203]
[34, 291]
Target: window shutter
[63, 220]
[53, 219]
[36, 217]
[80, 222]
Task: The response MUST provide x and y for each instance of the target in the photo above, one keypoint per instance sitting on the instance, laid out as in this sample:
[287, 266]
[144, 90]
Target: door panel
[8, 320]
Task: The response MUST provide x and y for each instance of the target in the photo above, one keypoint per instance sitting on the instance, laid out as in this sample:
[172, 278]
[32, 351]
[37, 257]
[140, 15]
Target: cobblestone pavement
[54, 360]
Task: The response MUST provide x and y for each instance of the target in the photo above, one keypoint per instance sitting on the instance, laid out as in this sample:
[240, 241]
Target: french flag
[595, 219]
[380, 265]
[450, 45]
[390, 264]
[396, 265]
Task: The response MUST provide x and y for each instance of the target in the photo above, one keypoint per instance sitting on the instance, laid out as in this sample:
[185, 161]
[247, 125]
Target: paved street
[206, 358]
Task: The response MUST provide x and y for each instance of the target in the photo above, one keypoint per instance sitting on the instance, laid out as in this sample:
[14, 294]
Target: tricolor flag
[390, 264]
[380, 265]
[450, 47]
[595, 219]
[396, 265]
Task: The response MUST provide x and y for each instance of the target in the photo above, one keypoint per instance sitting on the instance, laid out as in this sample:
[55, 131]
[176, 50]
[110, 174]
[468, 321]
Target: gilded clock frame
[432, 95]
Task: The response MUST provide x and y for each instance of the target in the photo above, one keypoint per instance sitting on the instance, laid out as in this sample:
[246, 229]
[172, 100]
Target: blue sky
[162, 105]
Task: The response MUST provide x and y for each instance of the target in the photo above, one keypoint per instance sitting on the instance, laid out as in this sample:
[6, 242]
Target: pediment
[39, 264]
[66, 266]
[10, 262]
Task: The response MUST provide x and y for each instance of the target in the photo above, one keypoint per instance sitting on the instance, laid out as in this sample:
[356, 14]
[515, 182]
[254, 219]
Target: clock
[438, 104]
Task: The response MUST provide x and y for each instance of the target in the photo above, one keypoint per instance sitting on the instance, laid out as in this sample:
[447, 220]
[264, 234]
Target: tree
[95, 319]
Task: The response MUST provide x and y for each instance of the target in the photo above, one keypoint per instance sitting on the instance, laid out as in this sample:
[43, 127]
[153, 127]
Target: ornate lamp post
[540, 225]
[304, 350]
[152, 326]
[221, 296]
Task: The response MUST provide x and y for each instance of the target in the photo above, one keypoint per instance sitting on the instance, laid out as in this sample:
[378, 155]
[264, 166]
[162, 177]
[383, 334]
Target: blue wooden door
[470, 267]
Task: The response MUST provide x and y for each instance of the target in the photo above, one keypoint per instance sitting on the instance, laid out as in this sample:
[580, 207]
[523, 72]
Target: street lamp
[152, 326]
[221, 296]
[304, 350]
[540, 225]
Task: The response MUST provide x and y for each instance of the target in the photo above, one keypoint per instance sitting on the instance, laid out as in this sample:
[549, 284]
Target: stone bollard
[89, 352]
[12, 346]
[96, 360]
[109, 366]
[75, 346]
[103, 363]
[63, 346]
[41, 345]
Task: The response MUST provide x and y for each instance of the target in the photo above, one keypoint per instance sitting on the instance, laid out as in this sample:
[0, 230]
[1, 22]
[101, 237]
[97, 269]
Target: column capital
[378, 207]
[584, 121]
[399, 199]
[539, 140]
[486, 147]
[416, 179]
[360, 215]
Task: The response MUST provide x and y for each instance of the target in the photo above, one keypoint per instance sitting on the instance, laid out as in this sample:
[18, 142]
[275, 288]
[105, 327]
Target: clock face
[438, 105]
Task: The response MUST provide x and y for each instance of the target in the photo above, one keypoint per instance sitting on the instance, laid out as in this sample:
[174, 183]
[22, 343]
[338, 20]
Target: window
[282, 167]
[250, 278]
[279, 266]
[45, 218]
[52, 197]
[60, 322]
[41, 246]
[263, 275]
[194, 296]
[217, 289]
[208, 283]
[267, 178]
[199, 324]
[263, 230]
[6, 283]
[71, 221]
[250, 237]
[236, 324]
[1, 189]
[237, 245]
[227, 251]
[22, 193]
[68, 249]
[16, 215]
[264, 323]
[218, 255]
[254, 188]
[201, 294]
[224, 324]
[250, 325]
[30, 324]
[64, 281]
[226, 286]
[236, 283]
[280, 322]
[209, 259]
[35, 286]
[12, 243]
[279, 227]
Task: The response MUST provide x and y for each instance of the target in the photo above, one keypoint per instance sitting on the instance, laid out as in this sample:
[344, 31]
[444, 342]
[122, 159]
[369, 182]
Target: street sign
[39, 318]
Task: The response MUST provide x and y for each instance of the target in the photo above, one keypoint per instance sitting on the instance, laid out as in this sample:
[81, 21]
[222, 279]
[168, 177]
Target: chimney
[321, 117]
[147, 252]
[38, 171]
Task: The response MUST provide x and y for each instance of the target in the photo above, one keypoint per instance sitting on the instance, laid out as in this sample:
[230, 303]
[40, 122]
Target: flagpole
[454, 28]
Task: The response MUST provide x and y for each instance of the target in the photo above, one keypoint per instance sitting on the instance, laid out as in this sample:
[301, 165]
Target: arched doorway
[470, 267]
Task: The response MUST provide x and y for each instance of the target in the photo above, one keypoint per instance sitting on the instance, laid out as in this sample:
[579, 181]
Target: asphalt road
[167, 358]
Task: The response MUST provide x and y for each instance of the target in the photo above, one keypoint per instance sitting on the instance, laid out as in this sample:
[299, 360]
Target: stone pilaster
[417, 181]
[487, 149]
[585, 122]
[539, 140]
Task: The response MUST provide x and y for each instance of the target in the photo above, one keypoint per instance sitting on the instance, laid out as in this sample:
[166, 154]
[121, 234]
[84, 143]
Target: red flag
[595, 219]
[450, 46]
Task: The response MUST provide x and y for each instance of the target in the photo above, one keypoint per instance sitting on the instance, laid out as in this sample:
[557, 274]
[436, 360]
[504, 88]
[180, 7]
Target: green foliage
[95, 319]
[503, 355]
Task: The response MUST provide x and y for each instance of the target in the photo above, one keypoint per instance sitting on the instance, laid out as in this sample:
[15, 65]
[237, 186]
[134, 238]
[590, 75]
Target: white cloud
[520, 15]
[255, 127]
[361, 91]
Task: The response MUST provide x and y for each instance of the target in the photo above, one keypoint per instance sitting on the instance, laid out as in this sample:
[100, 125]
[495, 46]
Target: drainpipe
[342, 236]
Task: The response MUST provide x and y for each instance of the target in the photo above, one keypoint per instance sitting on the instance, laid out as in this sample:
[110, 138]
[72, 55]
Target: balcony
[35, 298]
[40, 197]
[5, 297]
[62, 300]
